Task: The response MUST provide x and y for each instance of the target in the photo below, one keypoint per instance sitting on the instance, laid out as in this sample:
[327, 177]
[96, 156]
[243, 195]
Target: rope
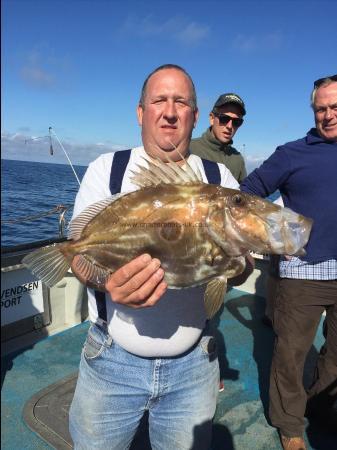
[57, 209]
[64, 151]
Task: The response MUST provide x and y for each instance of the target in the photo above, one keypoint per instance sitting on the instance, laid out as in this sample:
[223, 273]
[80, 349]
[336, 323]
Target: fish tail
[47, 264]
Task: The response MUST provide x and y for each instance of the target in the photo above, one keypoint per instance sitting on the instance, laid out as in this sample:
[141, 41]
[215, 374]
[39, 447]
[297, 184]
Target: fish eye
[238, 200]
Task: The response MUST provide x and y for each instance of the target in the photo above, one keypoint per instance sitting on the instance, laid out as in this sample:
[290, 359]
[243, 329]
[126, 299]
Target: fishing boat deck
[44, 372]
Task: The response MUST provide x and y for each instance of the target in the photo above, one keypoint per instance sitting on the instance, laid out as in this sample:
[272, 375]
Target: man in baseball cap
[230, 98]
[215, 144]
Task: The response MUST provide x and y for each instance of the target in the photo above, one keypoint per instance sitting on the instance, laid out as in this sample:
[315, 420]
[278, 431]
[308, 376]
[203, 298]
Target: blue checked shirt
[302, 270]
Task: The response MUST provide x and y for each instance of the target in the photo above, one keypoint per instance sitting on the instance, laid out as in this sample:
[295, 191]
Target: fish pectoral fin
[214, 295]
[94, 275]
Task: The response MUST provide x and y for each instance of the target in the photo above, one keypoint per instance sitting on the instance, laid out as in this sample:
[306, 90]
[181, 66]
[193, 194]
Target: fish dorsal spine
[160, 172]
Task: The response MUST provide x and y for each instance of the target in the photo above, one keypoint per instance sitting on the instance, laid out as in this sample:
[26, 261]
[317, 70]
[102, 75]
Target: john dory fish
[200, 232]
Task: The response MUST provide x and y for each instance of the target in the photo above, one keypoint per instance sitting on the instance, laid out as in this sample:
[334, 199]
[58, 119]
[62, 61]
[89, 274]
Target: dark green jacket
[208, 147]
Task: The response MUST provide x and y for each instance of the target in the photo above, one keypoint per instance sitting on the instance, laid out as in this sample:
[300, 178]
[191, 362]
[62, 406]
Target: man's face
[325, 108]
[167, 119]
[225, 133]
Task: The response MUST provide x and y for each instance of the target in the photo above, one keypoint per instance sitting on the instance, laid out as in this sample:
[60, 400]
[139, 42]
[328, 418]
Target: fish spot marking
[171, 231]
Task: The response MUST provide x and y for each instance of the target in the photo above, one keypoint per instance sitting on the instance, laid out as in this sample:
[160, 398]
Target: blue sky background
[78, 66]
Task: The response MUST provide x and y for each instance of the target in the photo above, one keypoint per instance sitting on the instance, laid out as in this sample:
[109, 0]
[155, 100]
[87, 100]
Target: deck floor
[245, 350]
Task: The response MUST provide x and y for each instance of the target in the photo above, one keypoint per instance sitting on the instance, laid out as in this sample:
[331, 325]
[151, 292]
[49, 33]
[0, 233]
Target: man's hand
[137, 284]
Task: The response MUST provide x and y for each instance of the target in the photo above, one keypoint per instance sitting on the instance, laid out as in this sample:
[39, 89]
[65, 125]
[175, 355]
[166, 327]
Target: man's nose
[170, 110]
[328, 113]
[229, 124]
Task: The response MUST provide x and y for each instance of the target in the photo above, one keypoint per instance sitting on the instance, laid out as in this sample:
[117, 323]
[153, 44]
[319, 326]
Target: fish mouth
[288, 232]
[267, 228]
[280, 232]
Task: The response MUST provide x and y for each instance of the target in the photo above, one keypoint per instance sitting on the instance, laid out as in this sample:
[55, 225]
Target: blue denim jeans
[115, 388]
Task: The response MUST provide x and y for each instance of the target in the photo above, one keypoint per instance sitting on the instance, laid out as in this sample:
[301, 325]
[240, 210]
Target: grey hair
[163, 67]
[324, 82]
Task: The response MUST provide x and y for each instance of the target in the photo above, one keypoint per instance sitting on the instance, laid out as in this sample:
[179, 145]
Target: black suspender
[119, 163]
[118, 167]
[212, 171]
[101, 305]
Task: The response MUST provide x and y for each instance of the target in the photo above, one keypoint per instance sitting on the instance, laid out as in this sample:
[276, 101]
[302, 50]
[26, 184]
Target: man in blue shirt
[305, 172]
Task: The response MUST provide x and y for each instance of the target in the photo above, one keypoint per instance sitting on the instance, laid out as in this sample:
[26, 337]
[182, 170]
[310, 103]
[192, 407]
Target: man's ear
[211, 119]
[140, 115]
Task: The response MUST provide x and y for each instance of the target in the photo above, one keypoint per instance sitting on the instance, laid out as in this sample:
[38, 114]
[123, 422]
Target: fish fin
[47, 263]
[214, 295]
[77, 225]
[93, 274]
[160, 172]
[195, 175]
[235, 267]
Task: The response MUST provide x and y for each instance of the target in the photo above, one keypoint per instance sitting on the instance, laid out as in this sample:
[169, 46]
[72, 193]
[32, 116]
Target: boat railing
[61, 210]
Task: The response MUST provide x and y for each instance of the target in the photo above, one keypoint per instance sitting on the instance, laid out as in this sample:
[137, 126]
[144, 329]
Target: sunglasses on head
[320, 81]
[224, 119]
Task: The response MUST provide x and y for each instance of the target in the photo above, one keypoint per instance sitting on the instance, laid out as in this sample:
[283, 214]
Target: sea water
[30, 189]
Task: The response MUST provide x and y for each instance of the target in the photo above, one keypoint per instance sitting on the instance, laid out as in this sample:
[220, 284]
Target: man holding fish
[162, 358]
[305, 172]
[158, 254]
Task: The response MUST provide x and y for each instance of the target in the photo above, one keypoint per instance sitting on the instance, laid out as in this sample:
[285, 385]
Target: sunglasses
[224, 119]
[320, 81]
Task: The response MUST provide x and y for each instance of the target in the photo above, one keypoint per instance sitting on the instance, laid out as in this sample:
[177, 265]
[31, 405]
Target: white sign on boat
[21, 295]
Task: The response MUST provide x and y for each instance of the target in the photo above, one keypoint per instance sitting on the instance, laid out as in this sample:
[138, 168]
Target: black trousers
[298, 308]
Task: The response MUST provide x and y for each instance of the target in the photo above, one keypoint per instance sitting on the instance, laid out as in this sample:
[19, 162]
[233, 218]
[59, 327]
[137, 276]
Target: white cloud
[21, 147]
[193, 33]
[178, 28]
[256, 159]
[37, 76]
[253, 43]
[41, 68]
[252, 162]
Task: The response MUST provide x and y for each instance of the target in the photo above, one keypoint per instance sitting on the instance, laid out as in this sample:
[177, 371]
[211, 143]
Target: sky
[78, 66]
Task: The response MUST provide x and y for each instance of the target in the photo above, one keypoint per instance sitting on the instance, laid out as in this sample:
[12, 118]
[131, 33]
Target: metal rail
[59, 209]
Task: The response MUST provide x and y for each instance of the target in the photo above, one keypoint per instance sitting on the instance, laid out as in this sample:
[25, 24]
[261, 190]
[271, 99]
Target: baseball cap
[230, 97]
